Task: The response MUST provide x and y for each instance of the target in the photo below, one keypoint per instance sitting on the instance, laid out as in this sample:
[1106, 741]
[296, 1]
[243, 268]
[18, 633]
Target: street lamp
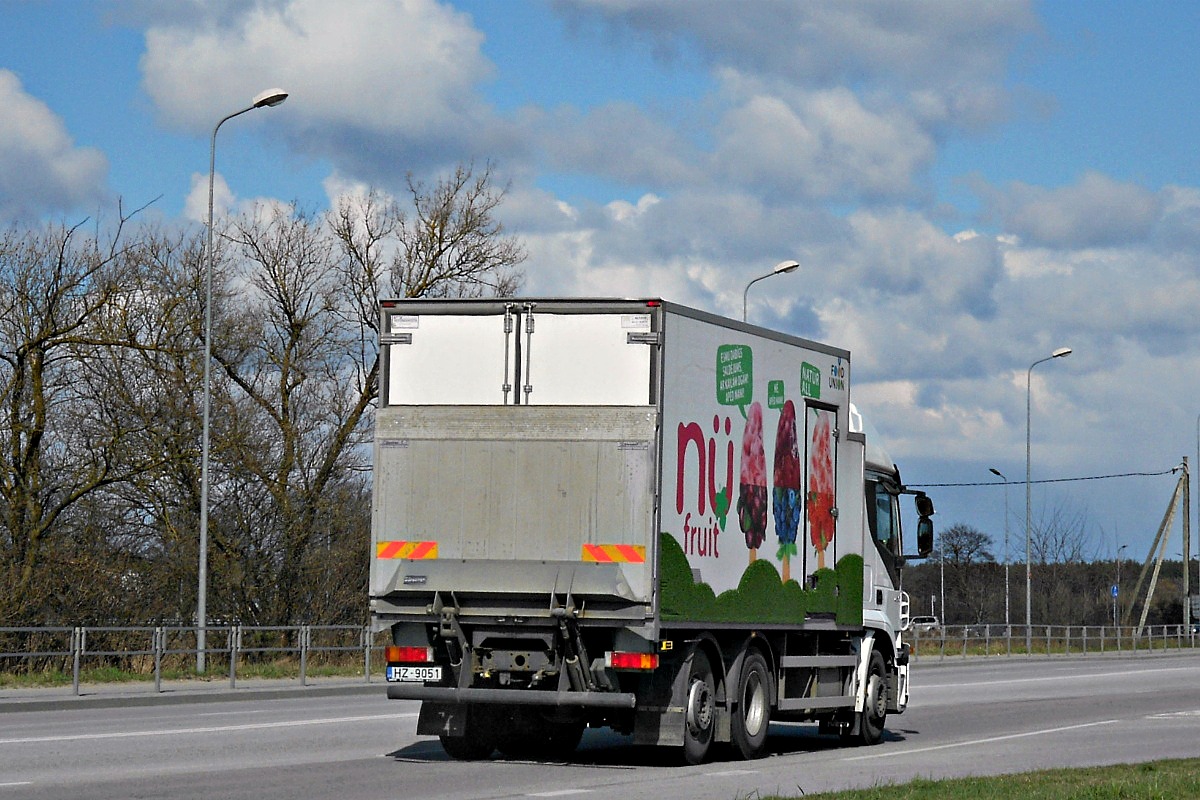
[267, 99]
[1000, 475]
[780, 268]
[944, 618]
[1061, 352]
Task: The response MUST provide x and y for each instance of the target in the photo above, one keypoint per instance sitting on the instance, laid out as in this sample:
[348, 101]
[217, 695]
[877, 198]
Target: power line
[1170, 471]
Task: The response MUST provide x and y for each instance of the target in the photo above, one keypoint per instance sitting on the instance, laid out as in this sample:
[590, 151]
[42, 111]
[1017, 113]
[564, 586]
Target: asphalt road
[978, 718]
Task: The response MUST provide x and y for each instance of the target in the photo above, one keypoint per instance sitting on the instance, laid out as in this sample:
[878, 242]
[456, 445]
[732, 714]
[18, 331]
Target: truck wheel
[753, 713]
[475, 743]
[874, 713]
[700, 708]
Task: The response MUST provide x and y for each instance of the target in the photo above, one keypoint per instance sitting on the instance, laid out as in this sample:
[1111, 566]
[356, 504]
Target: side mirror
[924, 535]
[924, 504]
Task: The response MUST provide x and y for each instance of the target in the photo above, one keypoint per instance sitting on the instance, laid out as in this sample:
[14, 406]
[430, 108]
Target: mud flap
[898, 690]
[865, 647]
[663, 725]
[442, 719]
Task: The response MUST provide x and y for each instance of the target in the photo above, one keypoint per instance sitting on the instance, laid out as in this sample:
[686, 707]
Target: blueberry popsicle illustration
[786, 494]
[752, 496]
[820, 487]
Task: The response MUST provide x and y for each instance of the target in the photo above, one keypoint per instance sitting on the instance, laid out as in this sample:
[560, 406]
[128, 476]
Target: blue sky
[967, 185]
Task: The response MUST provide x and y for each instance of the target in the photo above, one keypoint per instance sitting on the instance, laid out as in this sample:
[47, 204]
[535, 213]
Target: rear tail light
[408, 655]
[619, 660]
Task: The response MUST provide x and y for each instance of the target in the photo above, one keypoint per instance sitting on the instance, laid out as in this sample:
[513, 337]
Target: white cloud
[1095, 211]
[366, 78]
[41, 168]
[225, 202]
[617, 141]
[928, 42]
[823, 145]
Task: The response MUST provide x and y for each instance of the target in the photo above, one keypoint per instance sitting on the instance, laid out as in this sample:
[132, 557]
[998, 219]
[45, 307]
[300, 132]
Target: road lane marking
[77, 737]
[11, 784]
[730, 772]
[559, 793]
[988, 740]
[1074, 677]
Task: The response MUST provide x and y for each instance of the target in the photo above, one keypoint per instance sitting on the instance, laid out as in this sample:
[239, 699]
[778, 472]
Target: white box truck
[634, 514]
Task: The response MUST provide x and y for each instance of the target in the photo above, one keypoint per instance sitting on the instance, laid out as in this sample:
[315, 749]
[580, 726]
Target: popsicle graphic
[786, 494]
[752, 496]
[820, 487]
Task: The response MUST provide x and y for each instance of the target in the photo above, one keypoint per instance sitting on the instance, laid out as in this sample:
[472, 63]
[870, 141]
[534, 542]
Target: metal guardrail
[142, 649]
[960, 641]
[145, 649]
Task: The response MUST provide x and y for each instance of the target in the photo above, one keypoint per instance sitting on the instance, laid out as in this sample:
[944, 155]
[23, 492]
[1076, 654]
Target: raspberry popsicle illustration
[820, 486]
[752, 497]
[786, 494]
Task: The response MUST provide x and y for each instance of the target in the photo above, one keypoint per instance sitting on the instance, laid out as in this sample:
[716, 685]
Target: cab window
[883, 520]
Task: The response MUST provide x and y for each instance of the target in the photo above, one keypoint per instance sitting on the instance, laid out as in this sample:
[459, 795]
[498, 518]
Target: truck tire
[476, 742]
[874, 714]
[700, 708]
[752, 715]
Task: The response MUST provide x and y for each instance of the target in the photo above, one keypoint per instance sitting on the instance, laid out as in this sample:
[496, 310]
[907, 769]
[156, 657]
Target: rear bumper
[511, 697]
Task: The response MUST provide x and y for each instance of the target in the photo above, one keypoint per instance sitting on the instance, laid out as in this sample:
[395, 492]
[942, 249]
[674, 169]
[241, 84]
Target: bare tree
[968, 555]
[60, 445]
[453, 245]
[297, 351]
[1059, 541]
[100, 353]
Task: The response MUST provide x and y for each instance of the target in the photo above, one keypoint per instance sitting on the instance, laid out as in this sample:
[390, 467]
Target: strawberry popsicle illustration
[752, 496]
[786, 495]
[820, 486]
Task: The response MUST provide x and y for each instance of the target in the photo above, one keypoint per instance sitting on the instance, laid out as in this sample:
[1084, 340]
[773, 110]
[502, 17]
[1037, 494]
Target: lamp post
[943, 619]
[267, 99]
[779, 269]
[1061, 352]
[1000, 475]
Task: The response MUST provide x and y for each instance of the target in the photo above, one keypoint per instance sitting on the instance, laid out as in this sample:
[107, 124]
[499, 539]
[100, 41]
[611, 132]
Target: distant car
[927, 624]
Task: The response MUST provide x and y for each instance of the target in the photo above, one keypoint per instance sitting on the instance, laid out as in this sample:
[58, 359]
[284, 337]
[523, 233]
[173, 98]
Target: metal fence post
[235, 644]
[158, 645]
[78, 643]
[305, 633]
[366, 643]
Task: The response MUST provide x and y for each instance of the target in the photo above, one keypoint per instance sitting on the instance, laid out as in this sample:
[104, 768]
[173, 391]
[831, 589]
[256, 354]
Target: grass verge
[272, 669]
[1156, 780]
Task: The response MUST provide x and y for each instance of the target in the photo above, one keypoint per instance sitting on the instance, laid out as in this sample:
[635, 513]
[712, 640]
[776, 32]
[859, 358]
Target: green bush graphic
[761, 595]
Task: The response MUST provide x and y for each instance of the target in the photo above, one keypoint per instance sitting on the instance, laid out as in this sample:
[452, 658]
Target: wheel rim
[875, 700]
[700, 707]
[754, 703]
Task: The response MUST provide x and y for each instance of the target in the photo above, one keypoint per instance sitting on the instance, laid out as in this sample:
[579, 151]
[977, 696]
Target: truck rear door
[515, 455]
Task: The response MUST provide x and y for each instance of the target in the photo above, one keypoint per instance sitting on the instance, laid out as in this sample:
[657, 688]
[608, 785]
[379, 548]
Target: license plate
[413, 674]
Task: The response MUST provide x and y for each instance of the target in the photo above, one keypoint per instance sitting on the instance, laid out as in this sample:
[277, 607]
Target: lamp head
[786, 266]
[270, 98]
[996, 472]
[1061, 352]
